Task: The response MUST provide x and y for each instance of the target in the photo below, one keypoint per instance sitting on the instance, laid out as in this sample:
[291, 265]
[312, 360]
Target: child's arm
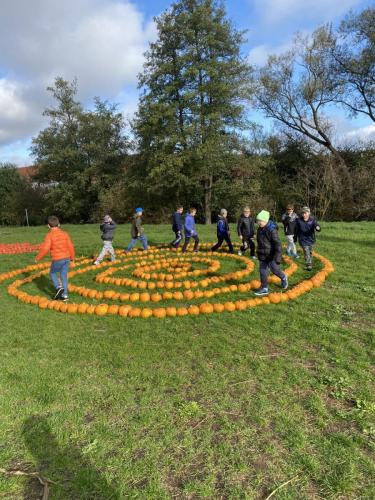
[277, 246]
[45, 248]
[317, 226]
[239, 228]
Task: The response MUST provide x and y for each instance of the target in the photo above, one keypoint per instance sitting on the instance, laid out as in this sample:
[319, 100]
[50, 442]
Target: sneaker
[261, 291]
[309, 267]
[59, 293]
[64, 298]
[239, 252]
[296, 256]
[284, 282]
[254, 257]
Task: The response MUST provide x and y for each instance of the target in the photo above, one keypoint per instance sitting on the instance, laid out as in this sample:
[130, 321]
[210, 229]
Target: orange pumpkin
[124, 310]
[159, 312]
[219, 307]
[182, 311]
[206, 308]
[113, 309]
[146, 313]
[135, 312]
[193, 310]
[72, 308]
[101, 309]
[171, 311]
[229, 306]
[144, 297]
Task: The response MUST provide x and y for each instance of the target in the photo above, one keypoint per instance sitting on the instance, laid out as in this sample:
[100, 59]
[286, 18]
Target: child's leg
[307, 251]
[275, 268]
[54, 269]
[196, 242]
[101, 256]
[111, 250]
[144, 241]
[290, 244]
[251, 244]
[177, 240]
[133, 241]
[264, 273]
[186, 243]
[64, 275]
[218, 244]
[229, 243]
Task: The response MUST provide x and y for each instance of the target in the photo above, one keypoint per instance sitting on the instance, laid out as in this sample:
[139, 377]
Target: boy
[306, 225]
[223, 232]
[108, 230]
[137, 231]
[60, 246]
[177, 226]
[246, 232]
[269, 252]
[289, 219]
[190, 231]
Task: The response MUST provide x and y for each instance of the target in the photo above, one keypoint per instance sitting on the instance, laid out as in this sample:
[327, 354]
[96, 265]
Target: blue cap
[139, 209]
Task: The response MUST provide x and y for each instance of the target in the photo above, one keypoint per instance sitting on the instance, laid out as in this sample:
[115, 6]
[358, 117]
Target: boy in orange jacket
[60, 246]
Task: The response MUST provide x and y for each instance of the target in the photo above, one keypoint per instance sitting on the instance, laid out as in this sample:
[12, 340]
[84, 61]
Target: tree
[296, 87]
[191, 110]
[354, 62]
[80, 154]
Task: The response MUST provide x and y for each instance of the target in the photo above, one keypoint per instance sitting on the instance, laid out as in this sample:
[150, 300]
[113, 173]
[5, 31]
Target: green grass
[223, 406]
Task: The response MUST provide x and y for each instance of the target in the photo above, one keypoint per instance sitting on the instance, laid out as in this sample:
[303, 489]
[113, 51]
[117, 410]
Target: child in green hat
[269, 252]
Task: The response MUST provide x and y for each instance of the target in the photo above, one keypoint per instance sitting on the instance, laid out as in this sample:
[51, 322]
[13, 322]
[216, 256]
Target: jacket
[245, 226]
[305, 231]
[108, 230]
[58, 243]
[289, 222]
[177, 224]
[222, 227]
[269, 244]
[136, 229]
[189, 226]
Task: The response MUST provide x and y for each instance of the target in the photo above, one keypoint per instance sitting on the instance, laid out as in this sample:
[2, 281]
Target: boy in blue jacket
[177, 226]
[269, 252]
[190, 231]
[306, 225]
[223, 232]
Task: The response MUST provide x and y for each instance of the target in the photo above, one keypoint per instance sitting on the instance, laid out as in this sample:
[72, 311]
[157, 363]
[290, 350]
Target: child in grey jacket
[107, 228]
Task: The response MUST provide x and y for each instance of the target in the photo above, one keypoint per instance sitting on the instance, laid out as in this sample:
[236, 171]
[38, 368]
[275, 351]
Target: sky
[102, 42]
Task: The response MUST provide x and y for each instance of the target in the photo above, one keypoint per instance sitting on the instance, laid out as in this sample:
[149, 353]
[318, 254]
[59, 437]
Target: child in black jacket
[177, 226]
[107, 228]
[289, 220]
[246, 232]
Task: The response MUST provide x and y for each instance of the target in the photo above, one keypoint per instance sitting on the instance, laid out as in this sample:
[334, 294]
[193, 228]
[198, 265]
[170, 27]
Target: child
[108, 230]
[289, 219]
[60, 246]
[190, 231]
[137, 231]
[246, 232]
[305, 229]
[223, 232]
[269, 252]
[177, 226]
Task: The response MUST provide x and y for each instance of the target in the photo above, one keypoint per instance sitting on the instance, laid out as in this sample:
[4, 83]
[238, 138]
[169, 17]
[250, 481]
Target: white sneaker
[239, 252]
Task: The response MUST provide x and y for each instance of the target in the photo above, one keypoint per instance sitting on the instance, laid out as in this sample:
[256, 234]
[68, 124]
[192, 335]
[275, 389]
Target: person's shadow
[71, 474]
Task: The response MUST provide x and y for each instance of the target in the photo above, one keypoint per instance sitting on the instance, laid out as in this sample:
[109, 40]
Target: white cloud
[259, 55]
[362, 134]
[101, 42]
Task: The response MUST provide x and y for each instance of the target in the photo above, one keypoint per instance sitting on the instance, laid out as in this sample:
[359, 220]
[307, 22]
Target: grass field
[228, 406]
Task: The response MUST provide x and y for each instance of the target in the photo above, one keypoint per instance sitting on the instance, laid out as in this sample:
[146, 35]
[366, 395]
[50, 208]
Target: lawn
[229, 405]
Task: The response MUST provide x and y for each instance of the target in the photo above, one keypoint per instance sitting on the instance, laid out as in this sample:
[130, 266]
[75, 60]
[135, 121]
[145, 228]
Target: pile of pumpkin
[16, 248]
[163, 275]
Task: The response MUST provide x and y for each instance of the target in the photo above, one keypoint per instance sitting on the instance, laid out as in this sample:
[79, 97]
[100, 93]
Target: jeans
[290, 247]
[307, 252]
[60, 267]
[265, 268]
[246, 240]
[187, 240]
[133, 241]
[177, 240]
[220, 240]
[107, 248]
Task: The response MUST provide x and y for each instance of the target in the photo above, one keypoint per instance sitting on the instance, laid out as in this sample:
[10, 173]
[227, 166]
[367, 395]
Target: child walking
[246, 232]
[107, 228]
[177, 226]
[306, 225]
[60, 246]
[190, 231]
[223, 232]
[137, 231]
[289, 220]
[269, 252]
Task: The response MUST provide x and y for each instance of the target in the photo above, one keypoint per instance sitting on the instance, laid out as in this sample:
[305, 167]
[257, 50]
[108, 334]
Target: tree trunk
[208, 198]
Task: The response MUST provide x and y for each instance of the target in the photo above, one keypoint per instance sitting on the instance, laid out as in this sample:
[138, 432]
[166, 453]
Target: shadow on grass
[75, 477]
[44, 284]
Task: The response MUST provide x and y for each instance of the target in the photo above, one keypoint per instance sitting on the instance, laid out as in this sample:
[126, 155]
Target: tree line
[192, 140]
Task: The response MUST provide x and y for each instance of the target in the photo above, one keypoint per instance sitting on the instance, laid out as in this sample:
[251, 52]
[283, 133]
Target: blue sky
[102, 42]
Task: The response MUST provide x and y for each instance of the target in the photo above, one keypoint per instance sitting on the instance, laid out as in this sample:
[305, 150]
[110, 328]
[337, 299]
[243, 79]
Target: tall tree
[295, 88]
[191, 110]
[354, 62]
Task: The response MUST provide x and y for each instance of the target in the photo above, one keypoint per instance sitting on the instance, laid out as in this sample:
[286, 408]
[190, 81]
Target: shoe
[309, 267]
[64, 298]
[96, 263]
[254, 257]
[59, 293]
[284, 282]
[296, 256]
[239, 252]
[261, 291]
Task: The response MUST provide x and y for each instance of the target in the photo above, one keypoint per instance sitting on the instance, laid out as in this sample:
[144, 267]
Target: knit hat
[263, 216]
[305, 210]
[139, 209]
[107, 218]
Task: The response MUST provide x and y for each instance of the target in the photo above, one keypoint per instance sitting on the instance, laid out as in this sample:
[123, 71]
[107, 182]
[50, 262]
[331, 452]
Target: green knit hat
[263, 216]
